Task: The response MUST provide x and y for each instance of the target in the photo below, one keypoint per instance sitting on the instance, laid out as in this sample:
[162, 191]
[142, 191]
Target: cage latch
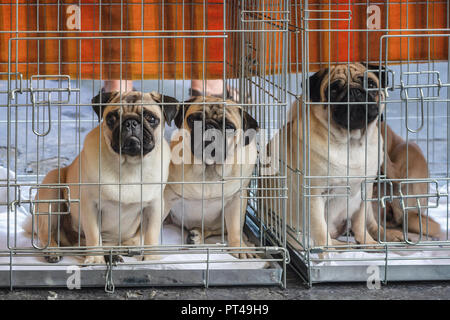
[388, 85]
[418, 207]
[35, 102]
[432, 94]
[63, 203]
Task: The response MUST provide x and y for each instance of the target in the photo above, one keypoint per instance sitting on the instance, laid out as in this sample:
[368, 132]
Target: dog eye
[371, 84]
[110, 120]
[229, 126]
[194, 118]
[151, 118]
[334, 89]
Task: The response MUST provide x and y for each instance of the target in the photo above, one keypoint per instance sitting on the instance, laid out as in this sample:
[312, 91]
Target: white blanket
[423, 256]
[180, 261]
[171, 236]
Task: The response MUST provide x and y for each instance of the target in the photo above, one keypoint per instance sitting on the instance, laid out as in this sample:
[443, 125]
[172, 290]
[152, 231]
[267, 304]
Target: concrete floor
[295, 290]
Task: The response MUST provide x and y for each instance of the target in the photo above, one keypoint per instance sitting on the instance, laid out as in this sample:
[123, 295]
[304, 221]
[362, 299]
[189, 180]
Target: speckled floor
[295, 290]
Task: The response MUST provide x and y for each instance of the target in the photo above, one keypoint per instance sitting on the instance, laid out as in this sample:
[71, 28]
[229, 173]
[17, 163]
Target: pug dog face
[352, 103]
[215, 130]
[132, 121]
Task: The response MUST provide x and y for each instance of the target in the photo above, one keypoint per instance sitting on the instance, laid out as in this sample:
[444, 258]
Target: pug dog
[342, 140]
[214, 154]
[119, 178]
[405, 160]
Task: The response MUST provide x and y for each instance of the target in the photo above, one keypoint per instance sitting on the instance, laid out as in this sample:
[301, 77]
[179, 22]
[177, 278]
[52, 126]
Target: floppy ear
[314, 85]
[382, 76]
[182, 112]
[170, 110]
[248, 123]
[102, 98]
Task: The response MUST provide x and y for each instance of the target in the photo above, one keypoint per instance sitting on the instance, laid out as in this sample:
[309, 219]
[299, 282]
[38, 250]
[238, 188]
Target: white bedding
[171, 236]
[402, 257]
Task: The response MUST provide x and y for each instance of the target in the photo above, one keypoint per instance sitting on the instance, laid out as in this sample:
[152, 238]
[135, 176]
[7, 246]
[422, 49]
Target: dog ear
[314, 85]
[100, 99]
[170, 110]
[248, 123]
[182, 112]
[381, 75]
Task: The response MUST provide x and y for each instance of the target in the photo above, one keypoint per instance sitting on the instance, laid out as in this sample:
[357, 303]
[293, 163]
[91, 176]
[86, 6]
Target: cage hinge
[12, 92]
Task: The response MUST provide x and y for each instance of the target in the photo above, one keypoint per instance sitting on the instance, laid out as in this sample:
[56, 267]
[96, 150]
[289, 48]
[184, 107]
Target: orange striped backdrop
[346, 43]
[94, 58]
[195, 57]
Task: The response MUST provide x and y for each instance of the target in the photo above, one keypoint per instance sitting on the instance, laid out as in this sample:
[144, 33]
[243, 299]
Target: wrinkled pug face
[132, 121]
[352, 99]
[215, 129]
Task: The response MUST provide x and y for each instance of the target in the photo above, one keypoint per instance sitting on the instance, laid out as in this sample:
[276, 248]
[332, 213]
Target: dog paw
[246, 252]
[244, 255]
[369, 245]
[336, 242]
[394, 236]
[194, 237]
[94, 260]
[53, 258]
[115, 259]
[151, 257]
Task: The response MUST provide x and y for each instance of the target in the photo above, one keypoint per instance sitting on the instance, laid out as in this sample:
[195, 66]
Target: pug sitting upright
[343, 146]
[211, 169]
[121, 170]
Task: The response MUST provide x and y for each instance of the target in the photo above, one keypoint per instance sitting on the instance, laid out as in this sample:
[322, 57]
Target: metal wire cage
[406, 45]
[54, 58]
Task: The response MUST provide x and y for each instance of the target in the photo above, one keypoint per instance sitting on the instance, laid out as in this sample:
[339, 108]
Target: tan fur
[204, 201]
[98, 163]
[327, 146]
[405, 161]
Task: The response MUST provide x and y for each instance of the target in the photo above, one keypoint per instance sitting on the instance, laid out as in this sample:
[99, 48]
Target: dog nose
[130, 124]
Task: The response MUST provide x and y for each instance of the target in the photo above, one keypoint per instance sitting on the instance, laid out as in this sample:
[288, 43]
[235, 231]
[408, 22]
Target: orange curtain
[337, 31]
[127, 52]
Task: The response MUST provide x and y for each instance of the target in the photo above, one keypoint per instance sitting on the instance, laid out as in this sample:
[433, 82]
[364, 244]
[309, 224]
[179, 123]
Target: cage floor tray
[202, 268]
[423, 265]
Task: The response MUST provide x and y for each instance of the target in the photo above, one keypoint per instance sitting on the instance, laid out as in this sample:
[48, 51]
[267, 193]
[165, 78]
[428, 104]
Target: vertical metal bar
[224, 94]
[448, 121]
